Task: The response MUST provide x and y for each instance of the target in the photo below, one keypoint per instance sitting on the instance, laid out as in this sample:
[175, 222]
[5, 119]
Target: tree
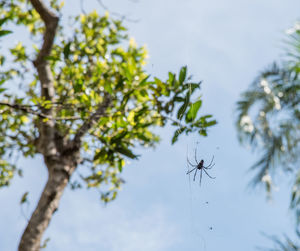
[268, 118]
[86, 102]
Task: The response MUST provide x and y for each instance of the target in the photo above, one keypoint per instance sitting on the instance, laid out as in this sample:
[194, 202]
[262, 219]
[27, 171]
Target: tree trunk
[57, 180]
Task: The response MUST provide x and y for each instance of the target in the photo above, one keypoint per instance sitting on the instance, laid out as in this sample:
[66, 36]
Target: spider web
[193, 227]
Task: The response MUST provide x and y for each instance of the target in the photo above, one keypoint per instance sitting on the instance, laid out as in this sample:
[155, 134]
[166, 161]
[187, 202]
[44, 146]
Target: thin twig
[123, 17]
[27, 109]
[82, 7]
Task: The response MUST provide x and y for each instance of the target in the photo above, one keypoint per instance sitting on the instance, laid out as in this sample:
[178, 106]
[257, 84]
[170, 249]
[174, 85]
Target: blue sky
[225, 44]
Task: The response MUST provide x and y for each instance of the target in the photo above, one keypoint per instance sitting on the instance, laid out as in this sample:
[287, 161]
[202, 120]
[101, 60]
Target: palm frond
[267, 119]
[282, 245]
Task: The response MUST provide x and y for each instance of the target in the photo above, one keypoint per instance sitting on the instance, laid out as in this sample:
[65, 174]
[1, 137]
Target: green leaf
[143, 93]
[78, 86]
[183, 108]
[203, 132]
[144, 81]
[182, 74]
[3, 20]
[211, 123]
[191, 87]
[99, 154]
[24, 198]
[118, 137]
[126, 98]
[24, 119]
[107, 87]
[178, 99]
[177, 133]
[203, 118]
[159, 82]
[4, 32]
[172, 79]
[125, 151]
[67, 50]
[2, 81]
[192, 113]
[128, 74]
[181, 111]
[121, 163]
[52, 58]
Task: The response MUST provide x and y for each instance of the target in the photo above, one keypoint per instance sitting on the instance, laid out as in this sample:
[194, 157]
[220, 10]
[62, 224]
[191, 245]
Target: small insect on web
[200, 166]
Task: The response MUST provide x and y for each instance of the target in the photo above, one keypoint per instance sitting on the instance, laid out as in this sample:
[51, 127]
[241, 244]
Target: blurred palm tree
[268, 119]
[286, 245]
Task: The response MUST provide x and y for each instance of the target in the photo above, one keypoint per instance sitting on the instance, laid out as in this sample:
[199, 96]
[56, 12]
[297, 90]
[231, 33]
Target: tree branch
[122, 17]
[47, 129]
[51, 22]
[27, 109]
[41, 64]
[101, 110]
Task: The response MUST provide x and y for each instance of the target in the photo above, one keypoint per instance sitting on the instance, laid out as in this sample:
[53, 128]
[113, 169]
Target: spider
[200, 166]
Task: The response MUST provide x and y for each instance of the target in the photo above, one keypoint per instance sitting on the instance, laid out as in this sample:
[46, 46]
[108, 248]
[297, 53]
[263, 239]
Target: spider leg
[200, 177]
[197, 162]
[195, 174]
[210, 162]
[191, 170]
[209, 175]
[190, 163]
[209, 167]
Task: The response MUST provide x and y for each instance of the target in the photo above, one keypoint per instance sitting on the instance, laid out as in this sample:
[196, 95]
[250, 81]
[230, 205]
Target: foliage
[95, 60]
[268, 118]
[274, 129]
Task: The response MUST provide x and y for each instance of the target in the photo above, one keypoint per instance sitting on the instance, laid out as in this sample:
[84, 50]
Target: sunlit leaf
[194, 108]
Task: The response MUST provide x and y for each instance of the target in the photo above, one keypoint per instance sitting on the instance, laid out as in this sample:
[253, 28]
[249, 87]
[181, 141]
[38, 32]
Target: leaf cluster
[268, 118]
[90, 60]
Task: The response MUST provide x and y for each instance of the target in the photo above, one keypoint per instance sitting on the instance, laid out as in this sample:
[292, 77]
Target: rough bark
[59, 174]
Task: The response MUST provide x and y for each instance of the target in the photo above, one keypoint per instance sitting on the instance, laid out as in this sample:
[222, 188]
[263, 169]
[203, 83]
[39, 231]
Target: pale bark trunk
[58, 179]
